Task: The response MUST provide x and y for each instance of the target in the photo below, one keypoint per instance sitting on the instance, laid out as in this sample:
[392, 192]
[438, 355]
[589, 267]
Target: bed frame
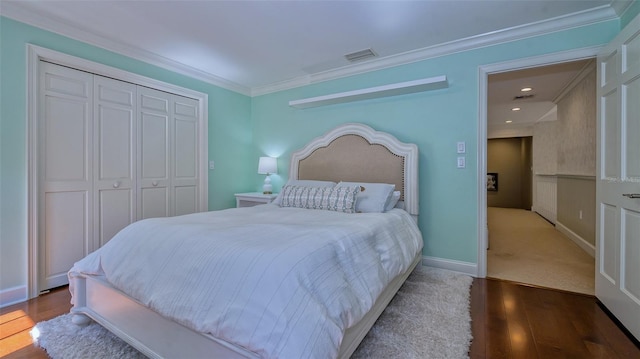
[351, 152]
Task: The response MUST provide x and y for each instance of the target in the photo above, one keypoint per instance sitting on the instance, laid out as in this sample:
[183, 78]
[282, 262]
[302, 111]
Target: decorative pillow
[339, 199]
[393, 200]
[373, 197]
[306, 183]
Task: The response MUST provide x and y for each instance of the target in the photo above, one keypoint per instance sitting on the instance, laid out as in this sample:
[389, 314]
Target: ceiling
[256, 47]
[547, 83]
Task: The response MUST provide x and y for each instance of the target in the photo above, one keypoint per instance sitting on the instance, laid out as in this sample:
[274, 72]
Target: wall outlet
[461, 162]
[211, 165]
[461, 147]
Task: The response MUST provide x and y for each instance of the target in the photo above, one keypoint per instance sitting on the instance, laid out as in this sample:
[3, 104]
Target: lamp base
[267, 188]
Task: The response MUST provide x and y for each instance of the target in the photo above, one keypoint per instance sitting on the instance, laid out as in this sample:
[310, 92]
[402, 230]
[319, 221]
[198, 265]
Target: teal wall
[241, 129]
[230, 142]
[434, 120]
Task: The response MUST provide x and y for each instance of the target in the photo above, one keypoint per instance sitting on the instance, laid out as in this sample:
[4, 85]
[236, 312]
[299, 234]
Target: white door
[185, 159]
[153, 153]
[65, 167]
[618, 178]
[114, 157]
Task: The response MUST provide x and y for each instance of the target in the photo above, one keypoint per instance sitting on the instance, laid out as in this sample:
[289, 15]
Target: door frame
[483, 75]
[34, 55]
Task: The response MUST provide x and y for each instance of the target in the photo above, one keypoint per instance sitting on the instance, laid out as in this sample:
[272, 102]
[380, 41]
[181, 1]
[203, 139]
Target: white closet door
[185, 159]
[114, 158]
[153, 153]
[65, 171]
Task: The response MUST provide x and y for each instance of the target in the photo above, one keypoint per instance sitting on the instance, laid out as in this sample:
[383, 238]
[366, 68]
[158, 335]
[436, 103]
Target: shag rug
[428, 318]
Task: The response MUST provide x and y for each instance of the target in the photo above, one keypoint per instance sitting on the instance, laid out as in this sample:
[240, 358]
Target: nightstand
[251, 199]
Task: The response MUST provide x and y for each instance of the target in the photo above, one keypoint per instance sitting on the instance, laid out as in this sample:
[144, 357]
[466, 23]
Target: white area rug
[428, 318]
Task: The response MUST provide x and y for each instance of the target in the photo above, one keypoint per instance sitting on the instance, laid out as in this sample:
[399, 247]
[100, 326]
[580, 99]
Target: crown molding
[16, 12]
[587, 69]
[587, 17]
[620, 7]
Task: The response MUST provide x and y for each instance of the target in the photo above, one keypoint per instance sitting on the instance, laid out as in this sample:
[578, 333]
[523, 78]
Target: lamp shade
[267, 165]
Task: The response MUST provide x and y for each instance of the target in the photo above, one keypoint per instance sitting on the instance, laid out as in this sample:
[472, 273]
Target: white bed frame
[159, 337]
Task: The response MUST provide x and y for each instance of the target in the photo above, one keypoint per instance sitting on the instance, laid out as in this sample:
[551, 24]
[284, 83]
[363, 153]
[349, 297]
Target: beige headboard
[357, 153]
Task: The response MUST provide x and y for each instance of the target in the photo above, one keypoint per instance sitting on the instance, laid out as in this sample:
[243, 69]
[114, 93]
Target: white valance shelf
[402, 88]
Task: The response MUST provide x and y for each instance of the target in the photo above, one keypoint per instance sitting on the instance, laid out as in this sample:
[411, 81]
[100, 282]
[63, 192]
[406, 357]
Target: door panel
[65, 169]
[114, 140]
[631, 249]
[631, 91]
[185, 200]
[65, 233]
[186, 143]
[617, 180]
[610, 143]
[114, 212]
[154, 202]
[66, 142]
[153, 153]
[185, 156]
[609, 249]
[154, 143]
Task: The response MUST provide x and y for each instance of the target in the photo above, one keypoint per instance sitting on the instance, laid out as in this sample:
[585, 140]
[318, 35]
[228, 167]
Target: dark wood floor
[508, 321]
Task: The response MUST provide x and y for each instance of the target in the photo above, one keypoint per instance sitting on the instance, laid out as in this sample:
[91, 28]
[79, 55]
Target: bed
[271, 287]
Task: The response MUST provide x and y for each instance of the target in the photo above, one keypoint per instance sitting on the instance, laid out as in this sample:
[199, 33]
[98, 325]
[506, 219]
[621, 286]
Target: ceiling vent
[523, 97]
[360, 55]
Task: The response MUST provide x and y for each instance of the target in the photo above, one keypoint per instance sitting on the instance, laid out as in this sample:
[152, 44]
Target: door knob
[154, 183]
[632, 195]
[116, 184]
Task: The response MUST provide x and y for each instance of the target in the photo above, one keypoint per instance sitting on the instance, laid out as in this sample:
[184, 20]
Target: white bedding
[280, 282]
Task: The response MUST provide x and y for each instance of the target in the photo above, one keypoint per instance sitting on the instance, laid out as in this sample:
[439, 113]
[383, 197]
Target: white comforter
[280, 282]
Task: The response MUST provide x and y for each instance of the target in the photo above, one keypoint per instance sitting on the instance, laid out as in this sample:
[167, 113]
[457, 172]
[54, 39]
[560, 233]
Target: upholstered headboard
[357, 153]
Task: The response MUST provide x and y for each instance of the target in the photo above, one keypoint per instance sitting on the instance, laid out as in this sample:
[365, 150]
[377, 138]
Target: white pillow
[374, 196]
[393, 200]
[307, 183]
[339, 199]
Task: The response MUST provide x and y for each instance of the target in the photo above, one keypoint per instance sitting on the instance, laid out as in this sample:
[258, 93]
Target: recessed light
[526, 89]
[515, 109]
[508, 121]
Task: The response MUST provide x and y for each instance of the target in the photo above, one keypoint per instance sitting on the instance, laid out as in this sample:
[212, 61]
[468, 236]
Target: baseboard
[452, 265]
[13, 295]
[581, 242]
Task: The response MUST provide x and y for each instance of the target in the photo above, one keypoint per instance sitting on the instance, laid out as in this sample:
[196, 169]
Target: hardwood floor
[17, 320]
[517, 321]
[508, 321]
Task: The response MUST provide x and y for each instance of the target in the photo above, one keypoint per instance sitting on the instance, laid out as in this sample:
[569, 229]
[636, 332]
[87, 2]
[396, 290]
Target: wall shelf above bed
[402, 88]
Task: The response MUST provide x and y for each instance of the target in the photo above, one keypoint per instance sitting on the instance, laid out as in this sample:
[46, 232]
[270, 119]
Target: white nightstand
[251, 199]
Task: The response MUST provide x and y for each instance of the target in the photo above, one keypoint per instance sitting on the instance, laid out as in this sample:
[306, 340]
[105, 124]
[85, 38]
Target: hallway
[525, 248]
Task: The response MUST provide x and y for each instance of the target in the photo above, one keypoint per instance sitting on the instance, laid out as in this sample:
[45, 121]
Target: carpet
[525, 248]
[428, 318]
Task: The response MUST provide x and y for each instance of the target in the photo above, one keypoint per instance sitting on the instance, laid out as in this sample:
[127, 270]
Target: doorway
[508, 130]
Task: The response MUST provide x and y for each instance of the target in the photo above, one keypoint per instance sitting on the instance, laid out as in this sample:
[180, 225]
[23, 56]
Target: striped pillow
[339, 199]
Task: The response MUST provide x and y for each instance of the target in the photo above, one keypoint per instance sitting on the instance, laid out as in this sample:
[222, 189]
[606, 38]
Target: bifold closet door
[65, 170]
[114, 157]
[108, 153]
[185, 156]
[168, 154]
[153, 153]
[86, 164]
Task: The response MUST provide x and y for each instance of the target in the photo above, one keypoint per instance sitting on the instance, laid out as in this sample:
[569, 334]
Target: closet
[109, 152]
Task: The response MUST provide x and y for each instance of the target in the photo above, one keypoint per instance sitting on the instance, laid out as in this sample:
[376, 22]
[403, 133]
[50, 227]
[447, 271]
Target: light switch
[461, 162]
[462, 147]
[211, 165]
